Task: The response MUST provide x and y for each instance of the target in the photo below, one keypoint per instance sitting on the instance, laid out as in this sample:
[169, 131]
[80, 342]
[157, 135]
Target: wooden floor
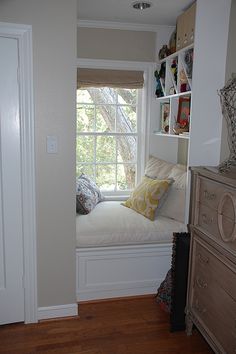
[131, 326]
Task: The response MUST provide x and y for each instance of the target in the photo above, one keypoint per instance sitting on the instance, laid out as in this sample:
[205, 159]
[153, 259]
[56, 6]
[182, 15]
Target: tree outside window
[107, 136]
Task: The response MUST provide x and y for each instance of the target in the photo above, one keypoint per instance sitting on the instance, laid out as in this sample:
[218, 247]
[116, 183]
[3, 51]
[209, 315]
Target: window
[108, 136]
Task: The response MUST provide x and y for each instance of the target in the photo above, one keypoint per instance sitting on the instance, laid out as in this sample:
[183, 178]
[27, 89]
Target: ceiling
[162, 12]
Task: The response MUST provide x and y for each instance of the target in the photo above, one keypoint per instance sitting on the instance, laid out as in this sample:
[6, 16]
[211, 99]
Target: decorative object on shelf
[228, 104]
[188, 60]
[174, 69]
[165, 117]
[164, 52]
[183, 81]
[160, 78]
[182, 123]
[172, 42]
[162, 72]
[159, 91]
[172, 90]
[180, 131]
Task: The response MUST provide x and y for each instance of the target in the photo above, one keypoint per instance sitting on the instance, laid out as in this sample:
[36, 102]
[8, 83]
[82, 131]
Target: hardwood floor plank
[125, 326]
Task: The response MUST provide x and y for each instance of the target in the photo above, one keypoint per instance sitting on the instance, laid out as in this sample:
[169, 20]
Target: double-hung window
[108, 136]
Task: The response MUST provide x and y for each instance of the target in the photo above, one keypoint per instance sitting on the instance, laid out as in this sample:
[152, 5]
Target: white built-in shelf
[176, 95]
[176, 76]
[167, 135]
[175, 54]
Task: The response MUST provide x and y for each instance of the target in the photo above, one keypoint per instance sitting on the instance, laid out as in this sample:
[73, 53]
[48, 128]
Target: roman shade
[109, 78]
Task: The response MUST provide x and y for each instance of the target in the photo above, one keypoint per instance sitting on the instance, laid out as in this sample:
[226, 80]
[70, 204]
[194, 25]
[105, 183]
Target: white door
[11, 231]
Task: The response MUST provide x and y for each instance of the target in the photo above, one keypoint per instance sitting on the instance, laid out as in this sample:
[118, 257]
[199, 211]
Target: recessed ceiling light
[141, 5]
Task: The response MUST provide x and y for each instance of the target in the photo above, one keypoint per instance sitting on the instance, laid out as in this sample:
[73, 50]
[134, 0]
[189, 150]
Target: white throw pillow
[157, 168]
[174, 205]
[179, 175]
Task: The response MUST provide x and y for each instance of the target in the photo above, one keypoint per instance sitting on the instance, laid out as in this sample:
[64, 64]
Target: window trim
[144, 105]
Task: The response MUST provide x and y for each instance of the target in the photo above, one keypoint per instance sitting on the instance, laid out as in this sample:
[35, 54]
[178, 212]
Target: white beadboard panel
[107, 272]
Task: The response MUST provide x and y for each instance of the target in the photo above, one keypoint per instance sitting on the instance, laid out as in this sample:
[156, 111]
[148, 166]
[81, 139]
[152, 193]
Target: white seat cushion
[110, 223]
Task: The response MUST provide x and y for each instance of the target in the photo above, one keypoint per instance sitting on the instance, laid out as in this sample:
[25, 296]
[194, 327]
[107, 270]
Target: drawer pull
[226, 237]
[202, 259]
[209, 196]
[200, 309]
[201, 284]
[206, 220]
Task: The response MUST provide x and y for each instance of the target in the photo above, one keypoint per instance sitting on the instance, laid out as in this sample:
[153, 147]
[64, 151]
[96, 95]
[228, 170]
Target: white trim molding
[67, 310]
[149, 99]
[114, 64]
[121, 25]
[23, 34]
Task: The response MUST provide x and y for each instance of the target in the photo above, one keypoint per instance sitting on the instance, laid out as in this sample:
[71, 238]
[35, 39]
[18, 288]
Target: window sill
[115, 198]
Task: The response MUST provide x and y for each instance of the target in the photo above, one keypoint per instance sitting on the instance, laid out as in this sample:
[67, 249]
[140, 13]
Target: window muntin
[108, 136]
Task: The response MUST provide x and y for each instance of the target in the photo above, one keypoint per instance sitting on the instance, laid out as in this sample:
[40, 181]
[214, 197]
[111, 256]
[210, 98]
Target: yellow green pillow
[147, 195]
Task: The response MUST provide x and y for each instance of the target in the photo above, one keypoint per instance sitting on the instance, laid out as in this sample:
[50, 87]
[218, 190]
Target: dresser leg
[189, 325]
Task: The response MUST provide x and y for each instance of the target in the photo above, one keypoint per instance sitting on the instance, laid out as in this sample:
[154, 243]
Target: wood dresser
[211, 299]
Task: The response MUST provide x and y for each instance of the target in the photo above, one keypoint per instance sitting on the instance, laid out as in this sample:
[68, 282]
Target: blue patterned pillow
[87, 194]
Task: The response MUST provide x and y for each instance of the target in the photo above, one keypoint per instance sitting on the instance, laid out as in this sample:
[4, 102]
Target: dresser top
[214, 174]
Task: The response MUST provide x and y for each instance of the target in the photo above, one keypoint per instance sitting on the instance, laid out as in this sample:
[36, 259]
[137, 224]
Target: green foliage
[107, 110]
[85, 118]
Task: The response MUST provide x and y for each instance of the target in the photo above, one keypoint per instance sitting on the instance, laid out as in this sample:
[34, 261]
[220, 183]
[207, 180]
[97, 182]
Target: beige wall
[111, 44]
[230, 68]
[54, 56]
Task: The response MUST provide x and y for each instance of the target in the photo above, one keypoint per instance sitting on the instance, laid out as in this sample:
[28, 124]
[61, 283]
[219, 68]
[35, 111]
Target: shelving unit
[176, 82]
[174, 108]
[203, 145]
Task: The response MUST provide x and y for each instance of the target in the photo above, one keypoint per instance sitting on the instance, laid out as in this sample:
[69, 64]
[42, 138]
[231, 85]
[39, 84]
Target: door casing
[23, 33]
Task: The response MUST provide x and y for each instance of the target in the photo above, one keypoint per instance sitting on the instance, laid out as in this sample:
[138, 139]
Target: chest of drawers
[211, 300]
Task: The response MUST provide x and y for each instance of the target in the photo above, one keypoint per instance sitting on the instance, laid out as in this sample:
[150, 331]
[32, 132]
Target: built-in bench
[122, 253]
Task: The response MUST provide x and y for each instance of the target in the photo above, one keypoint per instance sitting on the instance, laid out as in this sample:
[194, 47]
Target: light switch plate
[52, 145]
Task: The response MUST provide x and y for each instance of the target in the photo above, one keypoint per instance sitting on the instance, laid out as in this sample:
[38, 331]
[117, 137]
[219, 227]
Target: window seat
[121, 253]
[112, 224]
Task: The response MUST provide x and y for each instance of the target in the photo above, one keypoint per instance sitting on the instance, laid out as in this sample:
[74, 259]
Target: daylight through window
[107, 136]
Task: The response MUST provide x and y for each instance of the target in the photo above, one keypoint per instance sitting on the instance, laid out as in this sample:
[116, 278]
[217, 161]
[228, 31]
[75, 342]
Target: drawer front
[209, 270]
[218, 197]
[215, 315]
[213, 297]
[217, 225]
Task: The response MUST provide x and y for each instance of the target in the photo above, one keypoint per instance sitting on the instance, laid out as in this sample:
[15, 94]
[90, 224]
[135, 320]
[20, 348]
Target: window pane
[127, 96]
[105, 118]
[85, 149]
[126, 119]
[126, 148]
[126, 177]
[106, 149]
[110, 160]
[83, 96]
[86, 169]
[105, 177]
[85, 118]
[103, 95]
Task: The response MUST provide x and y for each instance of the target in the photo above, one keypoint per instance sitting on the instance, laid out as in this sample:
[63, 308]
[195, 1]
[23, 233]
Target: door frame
[23, 34]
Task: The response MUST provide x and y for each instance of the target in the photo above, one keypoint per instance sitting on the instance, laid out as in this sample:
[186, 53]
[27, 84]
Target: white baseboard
[57, 311]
